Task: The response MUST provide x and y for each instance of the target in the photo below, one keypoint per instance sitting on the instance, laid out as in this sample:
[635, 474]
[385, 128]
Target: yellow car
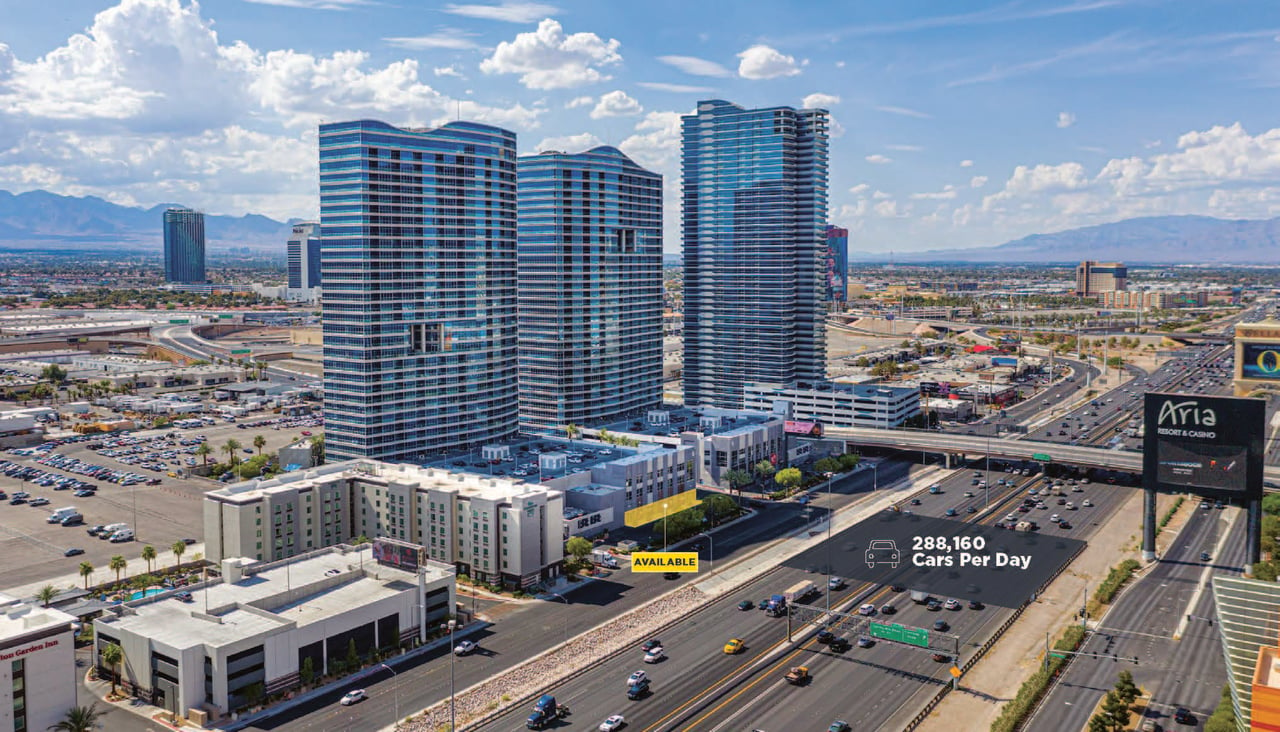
[733, 646]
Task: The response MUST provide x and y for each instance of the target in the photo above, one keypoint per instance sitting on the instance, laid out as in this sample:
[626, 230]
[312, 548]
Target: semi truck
[777, 605]
[545, 712]
[800, 591]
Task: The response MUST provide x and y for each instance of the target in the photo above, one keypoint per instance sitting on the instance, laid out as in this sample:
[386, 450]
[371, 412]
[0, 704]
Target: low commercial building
[37, 665]
[255, 630]
[23, 427]
[494, 529]
[1152, 299]
[840, 404]
[948, 410]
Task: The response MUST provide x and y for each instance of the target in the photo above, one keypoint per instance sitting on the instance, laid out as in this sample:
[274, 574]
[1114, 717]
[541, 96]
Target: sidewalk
[137, 566]
[998, 676]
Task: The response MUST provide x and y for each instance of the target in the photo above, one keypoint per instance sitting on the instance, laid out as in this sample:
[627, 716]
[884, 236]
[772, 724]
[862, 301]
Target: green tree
[764, 469]
[738, 479]
[178, 549]
[886, 368]
[259, 442]
[1265, 571]
[253, 692]
[54, 374]
[353, 658]
[579, 547]
[149, 556]
[86, 571]
[112, 655]
[849, 461]
[571, 431]
[1126, 688]
[46, 594]
[361, 539]
[1271, 503]
[232, 448]
[308, 670]
[1099, 723]
[117, 565]
[789, 477]
[203, 451]
[1116, 709]
[317, 449]
[717, 507]
[78, 719]
[827, 465]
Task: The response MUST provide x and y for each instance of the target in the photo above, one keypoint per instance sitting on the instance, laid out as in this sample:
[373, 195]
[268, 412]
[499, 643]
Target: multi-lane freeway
[699, 687]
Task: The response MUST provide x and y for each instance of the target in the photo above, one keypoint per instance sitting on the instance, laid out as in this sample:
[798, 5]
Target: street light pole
[396, 689]
[711, 548]
[831, 519]
[453, 624]
[664, 526]
[875, 477]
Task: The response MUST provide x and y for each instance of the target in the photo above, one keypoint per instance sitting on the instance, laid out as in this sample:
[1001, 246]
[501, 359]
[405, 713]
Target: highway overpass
[951, 444]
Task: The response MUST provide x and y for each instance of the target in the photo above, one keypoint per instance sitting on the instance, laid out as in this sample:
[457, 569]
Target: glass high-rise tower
[184, 246]
[590, 253]
[755, 212]
[418, 228]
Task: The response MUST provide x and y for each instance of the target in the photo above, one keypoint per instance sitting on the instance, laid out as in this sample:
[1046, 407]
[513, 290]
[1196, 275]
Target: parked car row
[46, 479]
[92, 470]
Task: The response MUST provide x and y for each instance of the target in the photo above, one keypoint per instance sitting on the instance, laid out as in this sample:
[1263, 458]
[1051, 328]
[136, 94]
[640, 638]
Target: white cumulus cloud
[570, 143]
[583, 101]
[1065, 119]
[507, 12]
[448, 39]
[966, 163]
[448, 71]
[878, 159]
[763, 62]
[859, 189]
[616, 104]
[548, 58]
[977, 181]
[818, 100]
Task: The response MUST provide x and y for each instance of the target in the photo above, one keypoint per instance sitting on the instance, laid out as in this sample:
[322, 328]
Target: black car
[941, 626]
[1204, 556]
[825, 636]
[671, 575]
[975, 605]
[915, 501]
[941, 657]
[888, 609]
[651, 644]
[188, 542]
[839, 645]
[1182, 715]
[933, 605]
[898, 588]
[73, 552]
[17, 501]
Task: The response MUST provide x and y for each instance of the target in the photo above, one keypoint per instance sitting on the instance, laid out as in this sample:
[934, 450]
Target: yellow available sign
[664, 562]
[651, 512]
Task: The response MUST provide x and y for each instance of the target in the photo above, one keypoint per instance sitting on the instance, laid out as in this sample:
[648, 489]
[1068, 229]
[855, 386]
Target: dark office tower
[303, 250]
[590, 288]
[184, 246]
[755, 211]
[418, 228]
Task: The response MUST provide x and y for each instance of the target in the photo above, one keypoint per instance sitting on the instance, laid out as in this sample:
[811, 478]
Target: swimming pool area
[146, 593]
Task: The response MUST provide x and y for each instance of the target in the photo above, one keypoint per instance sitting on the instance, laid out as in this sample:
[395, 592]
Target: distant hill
[67, 223]
[1149, 240]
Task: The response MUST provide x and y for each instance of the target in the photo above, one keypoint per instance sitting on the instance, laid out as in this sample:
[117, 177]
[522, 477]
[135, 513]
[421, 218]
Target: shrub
[1015, 712]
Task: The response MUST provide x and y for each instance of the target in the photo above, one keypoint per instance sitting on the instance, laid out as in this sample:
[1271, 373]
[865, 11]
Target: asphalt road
[1189, 672]
[526, 629]
[699, 687]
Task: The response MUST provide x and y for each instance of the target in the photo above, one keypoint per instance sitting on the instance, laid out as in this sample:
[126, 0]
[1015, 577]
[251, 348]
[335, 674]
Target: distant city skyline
[951, 127]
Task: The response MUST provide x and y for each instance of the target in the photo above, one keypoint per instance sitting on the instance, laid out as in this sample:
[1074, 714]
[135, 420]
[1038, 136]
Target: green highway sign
[1058, 655]
[1042, 457]
[225, 316]
[179, 321]
[900, 633]
[241, 352]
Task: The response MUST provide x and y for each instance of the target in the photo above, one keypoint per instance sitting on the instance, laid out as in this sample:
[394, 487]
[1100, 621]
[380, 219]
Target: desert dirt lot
[32, 549]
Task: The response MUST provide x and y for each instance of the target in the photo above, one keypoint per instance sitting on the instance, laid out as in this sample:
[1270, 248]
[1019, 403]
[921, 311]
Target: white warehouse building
[839, 405]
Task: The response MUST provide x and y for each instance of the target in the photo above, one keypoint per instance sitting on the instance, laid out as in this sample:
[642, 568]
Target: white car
[464, 648]
[1087, 503]
[636, 678]
[352, 697]
[867, 609]
[653, 655]
[1055, 519]
[614, 722]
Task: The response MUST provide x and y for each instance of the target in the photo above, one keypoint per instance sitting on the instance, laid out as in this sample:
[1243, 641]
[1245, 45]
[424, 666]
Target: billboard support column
[1148, 525]
[1253, 535]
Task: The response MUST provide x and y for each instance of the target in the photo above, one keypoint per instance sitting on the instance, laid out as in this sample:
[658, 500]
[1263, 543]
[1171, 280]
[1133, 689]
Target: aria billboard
[1209, 446]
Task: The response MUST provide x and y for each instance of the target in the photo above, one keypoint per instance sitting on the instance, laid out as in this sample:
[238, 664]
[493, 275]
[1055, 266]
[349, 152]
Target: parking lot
[131, 488]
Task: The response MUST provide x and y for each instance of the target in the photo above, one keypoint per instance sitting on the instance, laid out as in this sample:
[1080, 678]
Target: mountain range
[69, 224]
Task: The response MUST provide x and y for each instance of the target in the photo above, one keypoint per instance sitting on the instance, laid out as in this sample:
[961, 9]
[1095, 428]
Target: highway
[699, 687]
[523, 630]
[1189, 672]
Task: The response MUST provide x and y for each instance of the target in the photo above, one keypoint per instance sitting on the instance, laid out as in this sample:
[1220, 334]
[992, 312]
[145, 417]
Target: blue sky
[957, 124]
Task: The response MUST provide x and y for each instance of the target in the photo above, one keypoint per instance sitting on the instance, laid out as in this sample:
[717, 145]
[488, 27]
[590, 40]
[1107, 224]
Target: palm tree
[259, 442]
[149, 554]
[86, 571]
[112, 655]
[230, 448]
[571, 431]
[178, 548]
[78, 719]
[46, 594]
[317, 449]
[204, 451]
[117, 564]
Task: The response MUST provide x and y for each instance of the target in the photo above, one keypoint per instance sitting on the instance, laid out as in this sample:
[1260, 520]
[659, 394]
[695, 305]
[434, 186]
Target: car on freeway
[941, 626]
[654, 655]
[651, 644]
[1204, 556]
[638, 689]
[1182, 715]
[976, 605]
[865, 641]
[73, 552]
[952, 512]
[952, 604]
[825, 636]
[763, 604]
[838, 726]
[838, 645]
[835, 583]
[1064, 524]
[941, 657]
[1087, 503]
[353, 697]
[464, 648]
[745, 605]
[735, 645]
[888, 609]
[612, 723]
[968, 494]
[867, 609]
[915, 501]
[897, 588]
[636, 677]
[933, 605]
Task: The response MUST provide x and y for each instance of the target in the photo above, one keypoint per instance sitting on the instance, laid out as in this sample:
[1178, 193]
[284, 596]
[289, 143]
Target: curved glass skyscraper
[590, 288]
[755, 213]
[418, 231]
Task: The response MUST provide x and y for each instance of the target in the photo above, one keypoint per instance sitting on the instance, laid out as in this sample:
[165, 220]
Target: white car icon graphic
[882, 551]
